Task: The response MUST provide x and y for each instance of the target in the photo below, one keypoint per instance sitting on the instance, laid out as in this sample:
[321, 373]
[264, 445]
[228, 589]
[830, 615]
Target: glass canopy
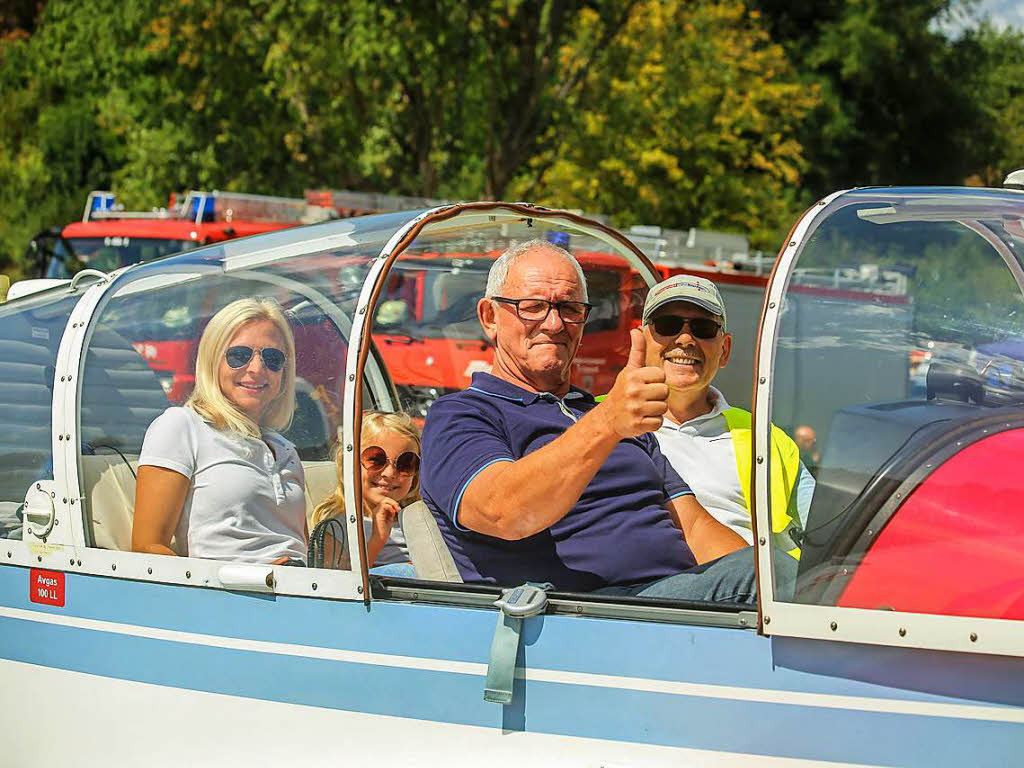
[899, 369]
[383, 314]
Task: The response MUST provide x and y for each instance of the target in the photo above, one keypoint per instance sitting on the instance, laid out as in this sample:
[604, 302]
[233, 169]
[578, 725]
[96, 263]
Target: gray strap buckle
[516, 604]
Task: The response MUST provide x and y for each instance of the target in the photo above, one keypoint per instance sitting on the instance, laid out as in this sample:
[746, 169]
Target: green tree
[900, 99]
[451, 98]
[702, 113]
[54, 145]
[441, 98]
[999, 90]
[690, 121]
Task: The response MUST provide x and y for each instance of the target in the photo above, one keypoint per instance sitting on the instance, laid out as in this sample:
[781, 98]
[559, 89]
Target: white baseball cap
[687, 288]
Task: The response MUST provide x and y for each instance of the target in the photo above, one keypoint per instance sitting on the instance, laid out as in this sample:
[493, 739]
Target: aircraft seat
[430, 555]
[109, 482]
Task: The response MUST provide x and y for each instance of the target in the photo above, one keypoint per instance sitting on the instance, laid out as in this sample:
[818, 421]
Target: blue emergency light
[103, 202]
[98, 202]
[200, 208]
[561, 239]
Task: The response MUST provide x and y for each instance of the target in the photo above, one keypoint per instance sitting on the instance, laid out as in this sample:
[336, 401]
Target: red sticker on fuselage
[46, 587]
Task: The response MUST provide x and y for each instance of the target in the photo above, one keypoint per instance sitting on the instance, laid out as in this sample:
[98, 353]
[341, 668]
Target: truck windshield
[107, 253]
[427, 300]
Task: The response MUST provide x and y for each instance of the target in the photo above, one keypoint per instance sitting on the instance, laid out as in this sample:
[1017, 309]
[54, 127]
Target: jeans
[402, 570]
[729, 579]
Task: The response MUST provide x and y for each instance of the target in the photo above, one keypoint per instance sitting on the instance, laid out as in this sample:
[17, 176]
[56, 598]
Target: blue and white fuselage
[116, 657]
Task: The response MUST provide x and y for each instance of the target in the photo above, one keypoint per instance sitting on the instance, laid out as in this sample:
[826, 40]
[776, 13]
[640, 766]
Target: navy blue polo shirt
[617, 533]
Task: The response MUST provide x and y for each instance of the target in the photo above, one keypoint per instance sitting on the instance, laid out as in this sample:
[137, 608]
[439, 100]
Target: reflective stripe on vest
[785, 466]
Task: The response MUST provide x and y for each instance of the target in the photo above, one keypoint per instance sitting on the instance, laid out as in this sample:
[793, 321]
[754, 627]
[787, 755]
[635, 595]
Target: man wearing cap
[529, 479]
[705, 439]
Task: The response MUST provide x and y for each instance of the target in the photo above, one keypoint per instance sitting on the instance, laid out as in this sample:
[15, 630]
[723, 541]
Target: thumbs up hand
[639, 398]
[637, 349]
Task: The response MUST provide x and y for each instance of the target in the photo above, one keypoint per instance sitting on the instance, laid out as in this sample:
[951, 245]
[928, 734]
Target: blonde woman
[215, 474]
[390, 459]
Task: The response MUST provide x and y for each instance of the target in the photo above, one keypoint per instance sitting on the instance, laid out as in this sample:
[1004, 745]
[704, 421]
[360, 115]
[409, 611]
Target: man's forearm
[518, 499]
[513, 500]
[707, 538]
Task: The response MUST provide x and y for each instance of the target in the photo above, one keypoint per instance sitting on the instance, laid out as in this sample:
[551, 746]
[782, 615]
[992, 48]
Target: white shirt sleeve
[171, 442]
[804, 493]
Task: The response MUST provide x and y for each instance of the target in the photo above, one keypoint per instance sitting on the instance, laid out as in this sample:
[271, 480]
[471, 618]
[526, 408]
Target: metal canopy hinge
[516, 604]
[247, 577]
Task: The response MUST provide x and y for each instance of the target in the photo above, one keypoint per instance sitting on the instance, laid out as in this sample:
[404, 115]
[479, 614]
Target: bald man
[530, 479]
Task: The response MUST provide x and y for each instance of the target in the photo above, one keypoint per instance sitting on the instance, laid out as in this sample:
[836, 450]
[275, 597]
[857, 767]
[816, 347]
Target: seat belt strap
[516, 604]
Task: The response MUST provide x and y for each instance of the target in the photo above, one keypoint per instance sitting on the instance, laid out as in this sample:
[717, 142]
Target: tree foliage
[999, 85]
[904, 102]
[691, 122]
[718, 113]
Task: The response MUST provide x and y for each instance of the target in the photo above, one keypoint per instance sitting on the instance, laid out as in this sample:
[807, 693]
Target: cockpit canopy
[893, 321]
[901, 324]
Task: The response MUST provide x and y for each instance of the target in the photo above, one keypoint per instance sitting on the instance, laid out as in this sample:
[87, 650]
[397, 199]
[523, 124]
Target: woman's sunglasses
[240, 355]
[672, 325]
[374, 459]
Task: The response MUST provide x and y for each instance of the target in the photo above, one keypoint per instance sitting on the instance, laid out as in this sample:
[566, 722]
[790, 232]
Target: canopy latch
[38, 512]
[516, 604]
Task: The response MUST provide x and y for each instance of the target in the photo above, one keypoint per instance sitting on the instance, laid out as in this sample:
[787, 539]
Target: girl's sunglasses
[672, 325]
[374, 459]
[240, 355]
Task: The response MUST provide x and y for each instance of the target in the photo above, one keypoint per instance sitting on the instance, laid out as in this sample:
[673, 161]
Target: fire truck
[109, 237]
[427, 331]
[426, 327]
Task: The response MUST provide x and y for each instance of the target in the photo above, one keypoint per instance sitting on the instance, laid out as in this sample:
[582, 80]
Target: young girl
[390, 460]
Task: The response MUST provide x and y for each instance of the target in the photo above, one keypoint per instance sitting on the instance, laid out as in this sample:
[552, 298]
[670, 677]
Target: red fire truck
[427, 331]
[109, 237]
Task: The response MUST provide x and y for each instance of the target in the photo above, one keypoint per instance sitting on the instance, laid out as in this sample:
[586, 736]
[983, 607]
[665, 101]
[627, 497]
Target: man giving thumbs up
[529, 478]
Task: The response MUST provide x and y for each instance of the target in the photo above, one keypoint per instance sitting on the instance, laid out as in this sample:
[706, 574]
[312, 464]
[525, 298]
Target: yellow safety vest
[785, 469]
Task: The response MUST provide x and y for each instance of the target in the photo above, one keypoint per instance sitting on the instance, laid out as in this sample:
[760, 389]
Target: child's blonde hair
[207, 399]
[374, 423]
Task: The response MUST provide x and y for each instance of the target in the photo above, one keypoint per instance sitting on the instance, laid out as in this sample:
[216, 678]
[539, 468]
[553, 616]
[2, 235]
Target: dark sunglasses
[375, 459]
[672, 325]
[240, 355]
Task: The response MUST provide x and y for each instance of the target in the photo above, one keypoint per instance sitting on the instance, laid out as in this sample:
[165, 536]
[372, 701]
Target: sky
[1004, 12]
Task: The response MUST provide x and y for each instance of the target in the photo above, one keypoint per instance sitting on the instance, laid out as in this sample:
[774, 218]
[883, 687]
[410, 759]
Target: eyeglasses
[672, 325]
[537, 310]
[240, 355]
[375, 459]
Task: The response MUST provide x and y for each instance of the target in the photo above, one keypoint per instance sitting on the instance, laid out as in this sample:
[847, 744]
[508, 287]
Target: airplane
[900, 642]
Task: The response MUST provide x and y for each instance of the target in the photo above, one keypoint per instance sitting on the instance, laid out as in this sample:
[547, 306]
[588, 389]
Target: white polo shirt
[246, 502]
[701, 451]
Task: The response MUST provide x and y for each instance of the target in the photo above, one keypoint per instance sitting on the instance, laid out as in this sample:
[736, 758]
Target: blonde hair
[207, 399]
[374, 423]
